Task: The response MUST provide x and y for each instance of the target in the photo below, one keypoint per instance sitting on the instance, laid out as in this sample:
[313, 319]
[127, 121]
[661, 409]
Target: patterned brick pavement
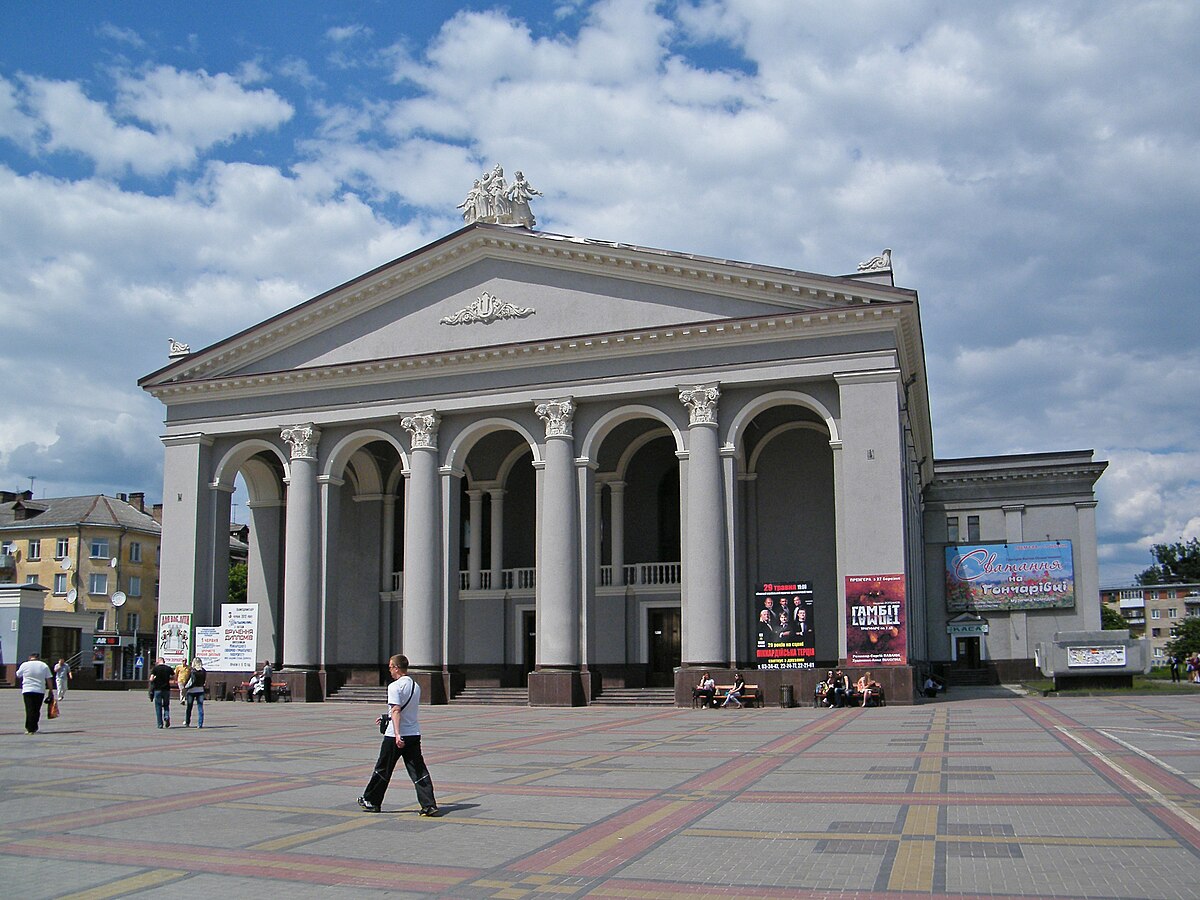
[1082, 797]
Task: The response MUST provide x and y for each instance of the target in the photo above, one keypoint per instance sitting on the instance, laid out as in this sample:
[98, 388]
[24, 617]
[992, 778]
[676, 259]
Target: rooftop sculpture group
[492, 199]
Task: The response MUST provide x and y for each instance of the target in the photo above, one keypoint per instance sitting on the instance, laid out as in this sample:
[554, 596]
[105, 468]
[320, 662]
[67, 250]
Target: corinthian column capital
[422, 429]
[302, 439]
[558, 416]
[701, 402]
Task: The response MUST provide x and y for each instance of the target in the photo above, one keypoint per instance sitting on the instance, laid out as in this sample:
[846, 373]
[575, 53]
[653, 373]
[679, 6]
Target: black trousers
[33, 710]
[389, 755]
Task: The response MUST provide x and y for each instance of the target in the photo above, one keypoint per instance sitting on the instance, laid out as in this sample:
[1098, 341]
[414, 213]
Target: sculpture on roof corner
[492, 199]
[178, 348]
[877, 263]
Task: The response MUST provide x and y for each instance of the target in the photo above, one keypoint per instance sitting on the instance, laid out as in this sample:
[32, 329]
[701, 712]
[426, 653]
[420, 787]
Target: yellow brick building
[97, 558]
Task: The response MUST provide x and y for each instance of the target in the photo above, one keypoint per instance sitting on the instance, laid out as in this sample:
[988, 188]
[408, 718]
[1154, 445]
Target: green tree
[1110, 619]
[1186, 638]
[1177, 563]
[237, 583]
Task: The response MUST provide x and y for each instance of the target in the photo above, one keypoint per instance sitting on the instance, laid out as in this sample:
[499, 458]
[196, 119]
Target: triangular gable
[498, 286]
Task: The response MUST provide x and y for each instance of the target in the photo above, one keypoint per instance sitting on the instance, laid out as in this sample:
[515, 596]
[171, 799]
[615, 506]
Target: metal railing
[660, 574]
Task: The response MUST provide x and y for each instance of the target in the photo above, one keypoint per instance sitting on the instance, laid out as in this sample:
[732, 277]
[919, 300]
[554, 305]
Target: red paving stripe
[307, 868]
[973, 799]
[604, 847]
[634, 889]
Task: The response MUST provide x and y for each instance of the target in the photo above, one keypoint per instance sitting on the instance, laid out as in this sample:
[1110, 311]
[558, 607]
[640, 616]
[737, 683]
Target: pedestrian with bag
[401, 740]
[36, 682]
[195, 693]
[62, 674]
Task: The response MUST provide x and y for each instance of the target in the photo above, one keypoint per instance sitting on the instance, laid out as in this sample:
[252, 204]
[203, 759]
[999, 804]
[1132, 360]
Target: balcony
[524, 580]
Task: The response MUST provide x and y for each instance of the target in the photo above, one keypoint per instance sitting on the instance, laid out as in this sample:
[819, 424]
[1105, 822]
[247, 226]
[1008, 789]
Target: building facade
[1153, 611]
[97, 558]
[526, 458]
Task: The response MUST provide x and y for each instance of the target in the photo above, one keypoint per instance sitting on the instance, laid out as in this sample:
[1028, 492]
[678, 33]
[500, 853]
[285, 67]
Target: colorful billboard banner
[783, 626]
[1028, 575]
[175, 638]
[876, 617]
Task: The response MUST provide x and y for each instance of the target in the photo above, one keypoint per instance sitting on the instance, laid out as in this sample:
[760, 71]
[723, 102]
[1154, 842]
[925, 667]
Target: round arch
[777, 398]
[262, 483]
[344, 450]
[473, 433]
[610, 420]
[752, 463]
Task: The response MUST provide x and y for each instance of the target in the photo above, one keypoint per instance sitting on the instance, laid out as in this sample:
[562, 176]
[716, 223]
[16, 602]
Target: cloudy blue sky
[186, 170]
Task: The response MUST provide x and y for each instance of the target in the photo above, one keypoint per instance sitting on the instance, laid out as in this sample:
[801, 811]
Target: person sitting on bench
[734, 694]
[706, 690]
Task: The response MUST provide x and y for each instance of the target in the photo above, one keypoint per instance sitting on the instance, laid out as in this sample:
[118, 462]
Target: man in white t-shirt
[36, 682]
[402, 739]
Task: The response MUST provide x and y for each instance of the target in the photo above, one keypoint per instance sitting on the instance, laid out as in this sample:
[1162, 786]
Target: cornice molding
[687, 337]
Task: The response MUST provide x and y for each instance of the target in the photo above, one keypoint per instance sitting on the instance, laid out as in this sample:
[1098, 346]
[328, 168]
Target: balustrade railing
[524, 579]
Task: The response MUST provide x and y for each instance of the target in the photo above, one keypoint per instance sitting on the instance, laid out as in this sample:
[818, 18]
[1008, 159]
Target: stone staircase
[964, 677]
[359, 693]
[636, 697]
[487, 695]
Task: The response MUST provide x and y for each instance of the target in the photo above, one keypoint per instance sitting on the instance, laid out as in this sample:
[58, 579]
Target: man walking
[160, 692]
[267, 672]
[402, 738]
[36, 682]
[62, 674]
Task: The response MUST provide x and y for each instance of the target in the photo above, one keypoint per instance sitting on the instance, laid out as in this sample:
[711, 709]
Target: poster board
[783, 626]
[239, 636]
[876, 620]
[175, 638]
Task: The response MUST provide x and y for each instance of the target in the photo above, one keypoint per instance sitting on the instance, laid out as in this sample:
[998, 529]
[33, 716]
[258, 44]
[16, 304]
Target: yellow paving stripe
[602, 845]
[126, 886]
[1032, 840]
[315, 834]
[367, 819]
[912, 869]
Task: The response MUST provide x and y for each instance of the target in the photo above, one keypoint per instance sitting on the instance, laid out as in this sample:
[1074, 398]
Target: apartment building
[1153, 610]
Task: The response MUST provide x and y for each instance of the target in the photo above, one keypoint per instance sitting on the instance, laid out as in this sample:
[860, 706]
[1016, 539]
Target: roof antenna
[32, 479]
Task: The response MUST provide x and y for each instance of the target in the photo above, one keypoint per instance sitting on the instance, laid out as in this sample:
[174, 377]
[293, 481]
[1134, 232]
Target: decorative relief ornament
[877, 263]
[486, 310]
[422, 429]
[303, 440]
[701, 401]
[491, 199]
[178, 348]
[558, 415]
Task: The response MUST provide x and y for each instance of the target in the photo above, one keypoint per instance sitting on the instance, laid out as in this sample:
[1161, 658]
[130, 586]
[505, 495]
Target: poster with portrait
[876, 616]
[783, 626]
[175, 638]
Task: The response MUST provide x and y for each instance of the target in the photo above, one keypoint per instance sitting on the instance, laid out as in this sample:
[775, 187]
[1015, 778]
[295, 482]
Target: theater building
[525, 458]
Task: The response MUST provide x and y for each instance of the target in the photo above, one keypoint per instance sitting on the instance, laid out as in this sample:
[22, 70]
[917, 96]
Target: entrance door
[966, 651]
[528, 644]
[664, 644]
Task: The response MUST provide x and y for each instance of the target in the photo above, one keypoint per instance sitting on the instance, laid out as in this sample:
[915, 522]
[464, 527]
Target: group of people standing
[837, 690]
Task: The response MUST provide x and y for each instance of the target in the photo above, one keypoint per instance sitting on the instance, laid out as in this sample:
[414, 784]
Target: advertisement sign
[876, 617]
[239, 630]
[783, 626]
[175, 637]
[208, 646]
[1028, 575]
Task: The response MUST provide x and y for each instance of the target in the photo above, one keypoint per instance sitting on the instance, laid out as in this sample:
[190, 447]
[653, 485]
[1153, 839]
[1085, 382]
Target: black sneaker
[431, 811]
[367, 806]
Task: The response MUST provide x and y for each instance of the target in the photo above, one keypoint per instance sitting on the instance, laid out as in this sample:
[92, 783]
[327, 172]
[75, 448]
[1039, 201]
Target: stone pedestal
[432, 683]
[1089, 659]
[556, 687]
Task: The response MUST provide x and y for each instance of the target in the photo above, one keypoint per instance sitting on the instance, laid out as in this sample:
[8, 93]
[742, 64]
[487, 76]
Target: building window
[1155, 632]
[60, 583]
[135, 552]
[972, 528]
[135, 586]
[131, 622]
[1156, 613]
[98, 583]
[99, 548]
[61, 548]
[1171, 595]
[100, 621]
[1173, 612]
[952, 529]
[35, 549]
[1130, 595]
[31, 579]
[1158, 652]
[7, 548]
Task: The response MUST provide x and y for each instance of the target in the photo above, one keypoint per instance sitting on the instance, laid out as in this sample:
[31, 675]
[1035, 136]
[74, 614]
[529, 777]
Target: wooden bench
[751, 695]
[852, 699]
[281, 689]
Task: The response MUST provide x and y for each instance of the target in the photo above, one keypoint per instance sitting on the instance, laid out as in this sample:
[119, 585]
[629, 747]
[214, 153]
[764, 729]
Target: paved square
[965, 797]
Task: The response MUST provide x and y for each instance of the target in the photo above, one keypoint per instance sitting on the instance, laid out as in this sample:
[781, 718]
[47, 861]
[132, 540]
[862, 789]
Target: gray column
[558, 563]
[263, 575]
[705, 617]
[301, 572]
[616, 509]
[218, 559]
[387, 563]
[475, 551]
[422, 626]
[331, 579]
[497, 535]
[187, 522]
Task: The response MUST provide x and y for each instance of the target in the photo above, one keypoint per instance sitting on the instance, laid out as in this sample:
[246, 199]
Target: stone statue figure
[519, 196]
[492, 200]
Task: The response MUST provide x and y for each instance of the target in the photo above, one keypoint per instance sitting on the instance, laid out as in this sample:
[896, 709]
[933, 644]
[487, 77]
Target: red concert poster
[875, 621]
